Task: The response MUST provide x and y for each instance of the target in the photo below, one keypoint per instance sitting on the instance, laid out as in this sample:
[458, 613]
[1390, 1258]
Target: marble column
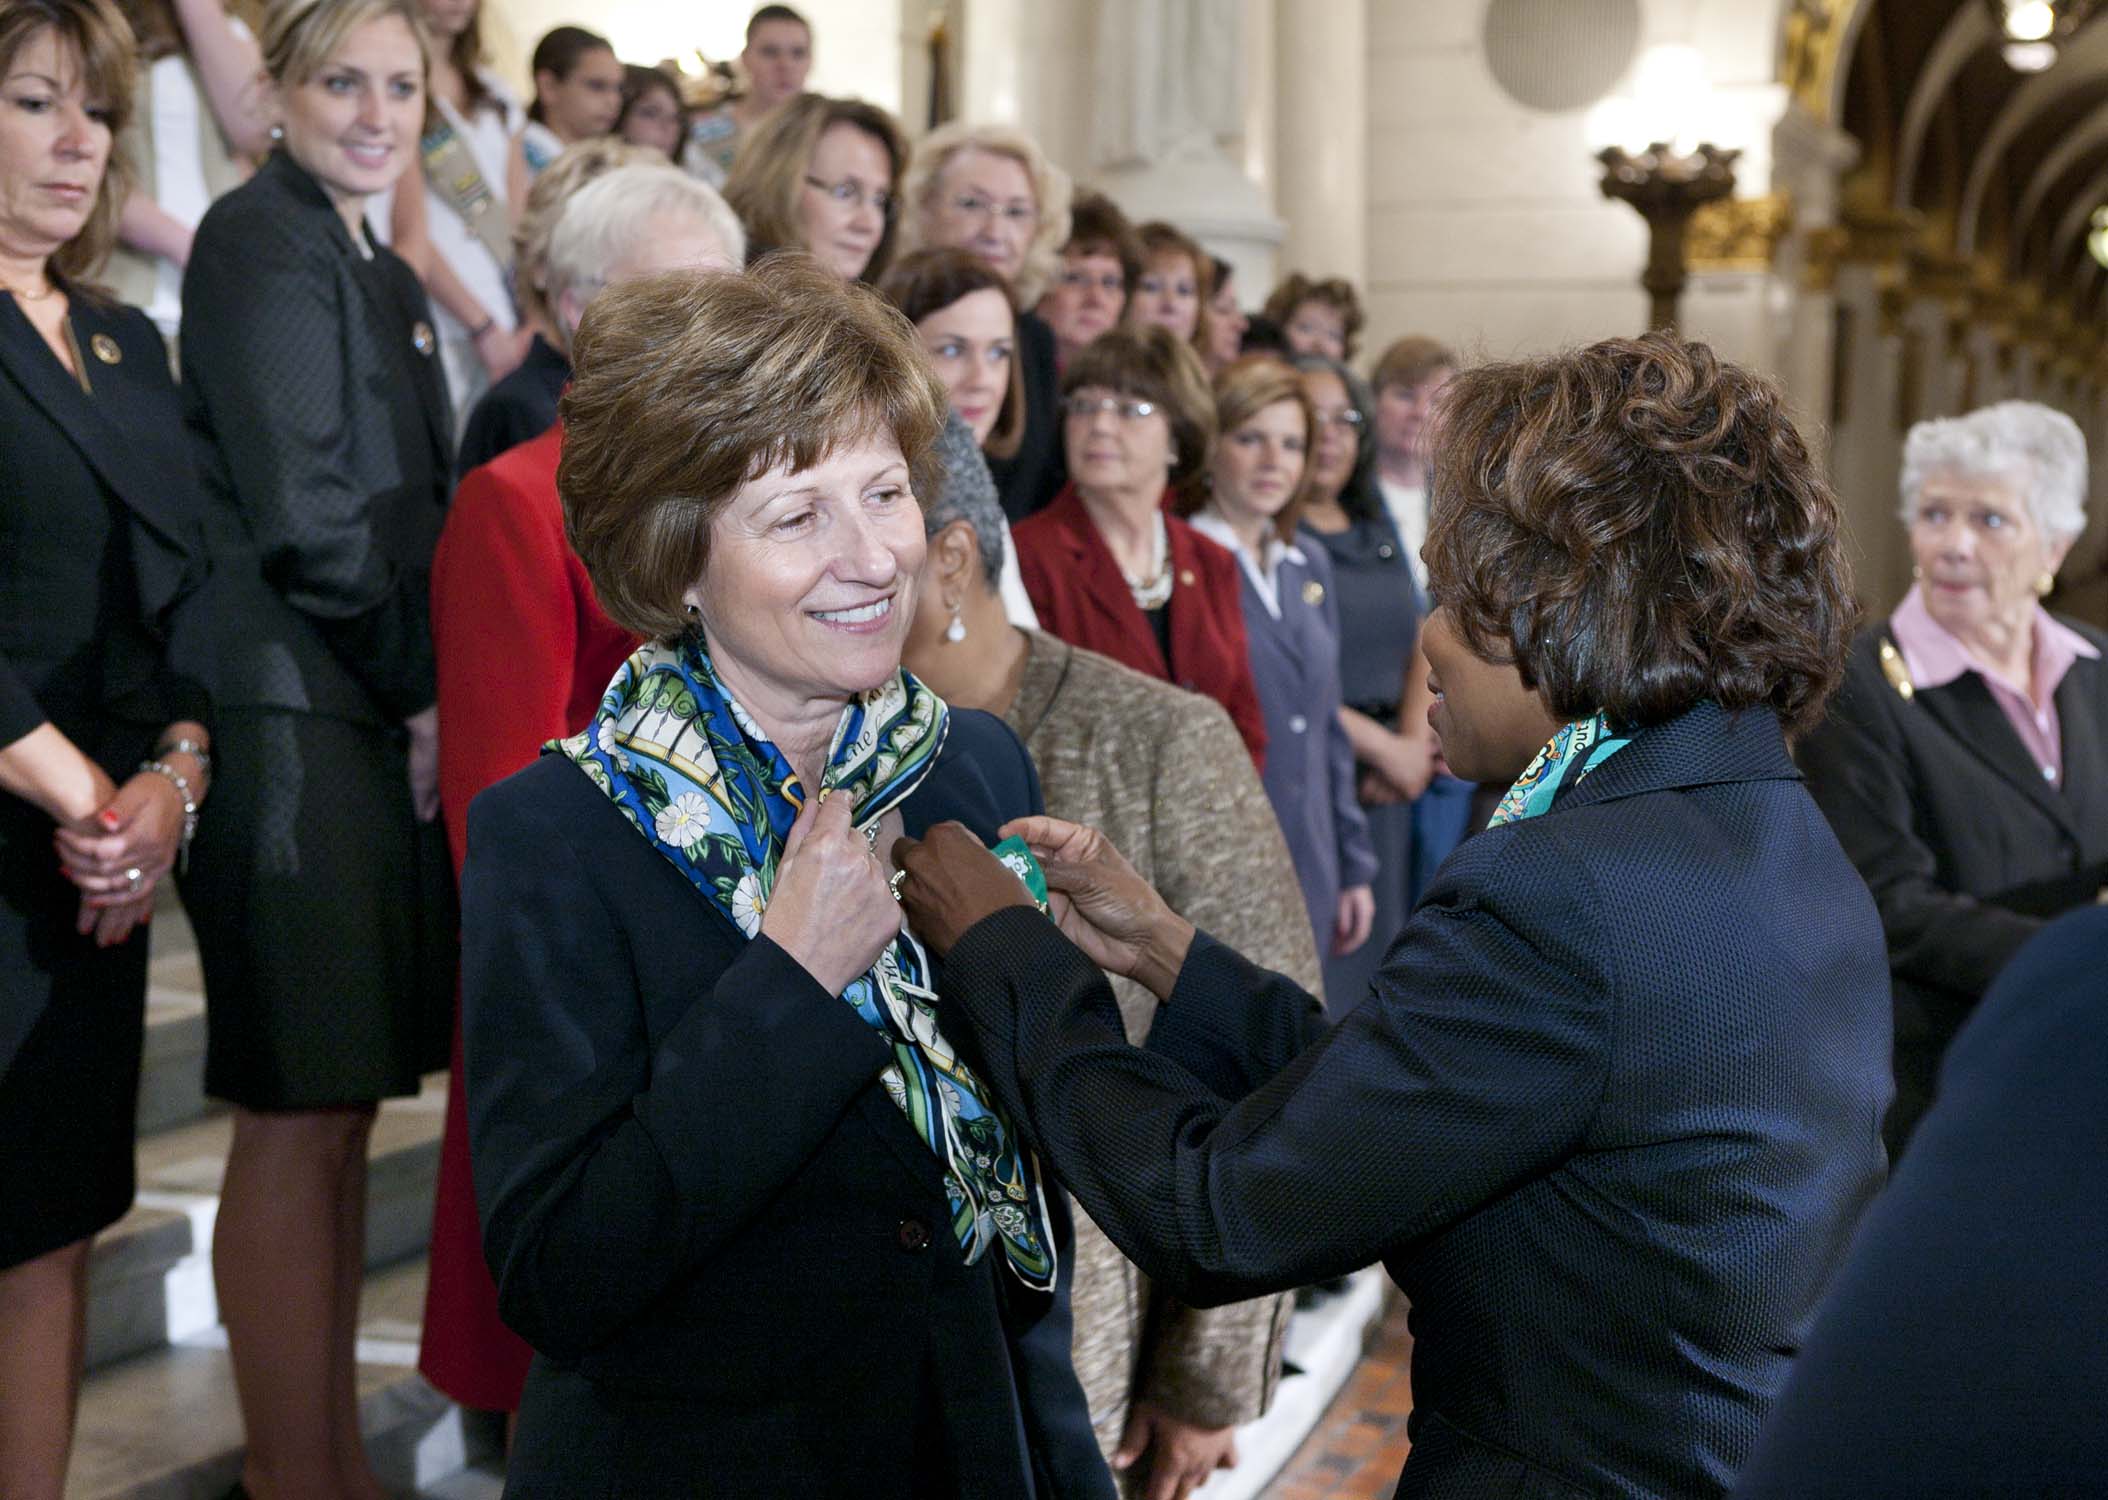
[1321, 134]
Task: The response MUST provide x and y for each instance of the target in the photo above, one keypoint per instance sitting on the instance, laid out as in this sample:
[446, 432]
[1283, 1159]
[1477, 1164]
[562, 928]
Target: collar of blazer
[1965, 709]
[292, 180]
[104, 427]
[1096, 573]
[1704, 746]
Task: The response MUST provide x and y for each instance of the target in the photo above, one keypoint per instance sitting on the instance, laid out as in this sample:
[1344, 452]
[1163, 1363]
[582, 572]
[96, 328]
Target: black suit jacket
[314, 394]
[1608, 1116]
[1961, 1350]
[99, 543]
[1029, 479]
[1968, 851]
[729, 1248]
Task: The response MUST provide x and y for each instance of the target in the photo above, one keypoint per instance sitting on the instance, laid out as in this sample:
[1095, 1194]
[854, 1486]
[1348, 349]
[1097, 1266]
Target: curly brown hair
[1335, 292]
[1638, 527]
[688, 385]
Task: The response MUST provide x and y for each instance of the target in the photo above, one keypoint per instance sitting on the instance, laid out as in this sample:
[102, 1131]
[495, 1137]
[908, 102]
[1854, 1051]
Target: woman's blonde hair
[1051, 188]
[768, 176]
[1243, 389]
[552, 189]
[96, 33]
[301, 36]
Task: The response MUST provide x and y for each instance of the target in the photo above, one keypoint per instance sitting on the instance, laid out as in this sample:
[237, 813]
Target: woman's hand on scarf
[952, 883]
[1105, 907]
[830, 910]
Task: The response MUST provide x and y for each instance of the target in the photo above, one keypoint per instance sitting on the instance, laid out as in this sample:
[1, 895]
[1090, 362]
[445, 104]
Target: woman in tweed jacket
[1165, 774]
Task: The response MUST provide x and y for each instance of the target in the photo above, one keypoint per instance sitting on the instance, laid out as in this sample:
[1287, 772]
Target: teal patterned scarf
[702, 782]
[1577, 749]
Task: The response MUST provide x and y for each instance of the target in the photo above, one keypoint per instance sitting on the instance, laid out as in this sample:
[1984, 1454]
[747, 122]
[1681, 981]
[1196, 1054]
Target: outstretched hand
[952, 883]
[1103, 906]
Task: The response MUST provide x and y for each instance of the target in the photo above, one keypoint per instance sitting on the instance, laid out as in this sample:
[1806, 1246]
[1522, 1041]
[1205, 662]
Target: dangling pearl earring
[2045, 584]
[956, 631]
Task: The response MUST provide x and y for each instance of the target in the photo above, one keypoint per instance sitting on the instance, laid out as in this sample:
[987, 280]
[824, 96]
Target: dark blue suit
[728, 1247]
[1962, 1349]
[1609, 1116]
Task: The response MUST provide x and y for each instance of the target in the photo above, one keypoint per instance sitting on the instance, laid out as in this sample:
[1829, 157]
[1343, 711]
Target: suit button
[1297, 724]
[914, 1234]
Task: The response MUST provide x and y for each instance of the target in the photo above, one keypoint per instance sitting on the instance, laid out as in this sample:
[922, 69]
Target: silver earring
[956, 631]
[277, 132]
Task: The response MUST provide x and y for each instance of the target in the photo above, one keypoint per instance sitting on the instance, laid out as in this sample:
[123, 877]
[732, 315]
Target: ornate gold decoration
[105, 349]
[1896, 672]
[1813, 51]
[1738, 234]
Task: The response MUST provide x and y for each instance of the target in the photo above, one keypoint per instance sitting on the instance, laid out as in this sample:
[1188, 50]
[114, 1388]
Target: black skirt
[72, 1022]
[325, 916]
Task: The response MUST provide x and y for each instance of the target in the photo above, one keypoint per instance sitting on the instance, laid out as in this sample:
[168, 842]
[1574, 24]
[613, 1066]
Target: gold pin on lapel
[1313, 592]
[105, 349]
[1898, 675]
[422, 339]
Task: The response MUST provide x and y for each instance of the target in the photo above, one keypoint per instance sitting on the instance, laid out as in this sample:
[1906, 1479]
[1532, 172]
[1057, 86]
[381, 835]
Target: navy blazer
[1960, 1351]
[729, 1248]
[319, 413]
[1608, 1116]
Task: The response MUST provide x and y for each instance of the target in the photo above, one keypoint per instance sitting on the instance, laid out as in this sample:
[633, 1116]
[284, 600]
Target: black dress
[98, 540]
[517, 409]
[1031, 477]
[323, 908]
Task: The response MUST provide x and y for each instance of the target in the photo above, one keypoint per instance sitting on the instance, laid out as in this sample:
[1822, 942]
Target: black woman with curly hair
[1611, 1107]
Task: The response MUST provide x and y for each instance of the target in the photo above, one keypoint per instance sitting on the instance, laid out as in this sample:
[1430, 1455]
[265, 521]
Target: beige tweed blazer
[1164, 775]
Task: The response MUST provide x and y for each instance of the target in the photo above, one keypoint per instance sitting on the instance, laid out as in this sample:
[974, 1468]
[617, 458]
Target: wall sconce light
[1653, 160]
[2097, 236]
[2030, 31]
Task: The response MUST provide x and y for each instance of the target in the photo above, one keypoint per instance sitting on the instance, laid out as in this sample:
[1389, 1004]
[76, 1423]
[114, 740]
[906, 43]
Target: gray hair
[968, 495]
[612, 215]
[2038, 447]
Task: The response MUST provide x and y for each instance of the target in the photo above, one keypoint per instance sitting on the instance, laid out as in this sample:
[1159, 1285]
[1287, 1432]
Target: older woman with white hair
[506, 587]
[991, 190]
[1964, 765]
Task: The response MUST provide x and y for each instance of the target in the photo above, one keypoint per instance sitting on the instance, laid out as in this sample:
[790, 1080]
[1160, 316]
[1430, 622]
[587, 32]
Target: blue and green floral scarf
[1577, 749]
[676, 752]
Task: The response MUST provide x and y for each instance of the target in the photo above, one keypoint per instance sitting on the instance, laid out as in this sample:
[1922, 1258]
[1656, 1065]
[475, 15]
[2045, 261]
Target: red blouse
[1076, 587]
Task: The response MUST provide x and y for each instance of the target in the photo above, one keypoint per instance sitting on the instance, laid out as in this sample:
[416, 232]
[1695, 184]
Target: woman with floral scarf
[765, 1229]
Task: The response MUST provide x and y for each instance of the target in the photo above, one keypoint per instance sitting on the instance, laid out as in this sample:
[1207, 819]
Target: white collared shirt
[1265, 572]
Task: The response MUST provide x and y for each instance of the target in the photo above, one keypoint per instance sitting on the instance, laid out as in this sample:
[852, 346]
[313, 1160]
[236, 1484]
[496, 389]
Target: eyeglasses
[1090, 406]
[974, 206]
[853, 194]
[1346, 417]
[1111, 282]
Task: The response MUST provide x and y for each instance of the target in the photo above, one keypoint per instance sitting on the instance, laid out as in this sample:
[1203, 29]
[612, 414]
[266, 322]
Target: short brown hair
[1098, 227]
[1336, 292]
[1154, 364]
[768, 176]
[1638, 527]
[96, 32]
[929, 281]
[1158, 238]
[689, 385]
[1244, 388]
[1411, 360]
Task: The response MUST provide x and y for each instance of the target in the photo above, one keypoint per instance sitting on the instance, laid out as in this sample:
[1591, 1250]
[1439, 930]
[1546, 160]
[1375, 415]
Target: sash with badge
[452, 173]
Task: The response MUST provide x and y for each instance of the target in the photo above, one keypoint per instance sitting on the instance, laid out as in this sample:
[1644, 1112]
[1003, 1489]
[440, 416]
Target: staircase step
[127, 1280]
[166, 1426]
[152, 1274]
[172, 1069]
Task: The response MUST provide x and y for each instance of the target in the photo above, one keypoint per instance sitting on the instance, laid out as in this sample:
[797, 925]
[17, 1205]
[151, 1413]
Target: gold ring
[893, 885]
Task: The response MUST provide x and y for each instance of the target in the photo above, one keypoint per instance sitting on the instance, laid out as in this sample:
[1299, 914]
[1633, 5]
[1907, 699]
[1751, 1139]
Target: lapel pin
[1185, 576]
[1896, 672]
[421, 338]
[105, 349]
[1313, 592]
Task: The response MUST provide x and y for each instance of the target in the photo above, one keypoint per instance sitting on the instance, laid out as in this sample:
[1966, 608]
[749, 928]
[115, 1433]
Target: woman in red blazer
[1107, 567]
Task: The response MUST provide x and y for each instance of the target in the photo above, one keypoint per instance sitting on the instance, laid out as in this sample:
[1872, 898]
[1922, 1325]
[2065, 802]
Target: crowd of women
[366, 435]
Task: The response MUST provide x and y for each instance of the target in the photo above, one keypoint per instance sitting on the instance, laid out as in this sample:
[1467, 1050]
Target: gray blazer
[1164, 775]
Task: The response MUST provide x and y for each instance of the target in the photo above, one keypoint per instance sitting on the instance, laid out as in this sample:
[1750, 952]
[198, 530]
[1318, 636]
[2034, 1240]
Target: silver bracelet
[190, 807]
[192, 748]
